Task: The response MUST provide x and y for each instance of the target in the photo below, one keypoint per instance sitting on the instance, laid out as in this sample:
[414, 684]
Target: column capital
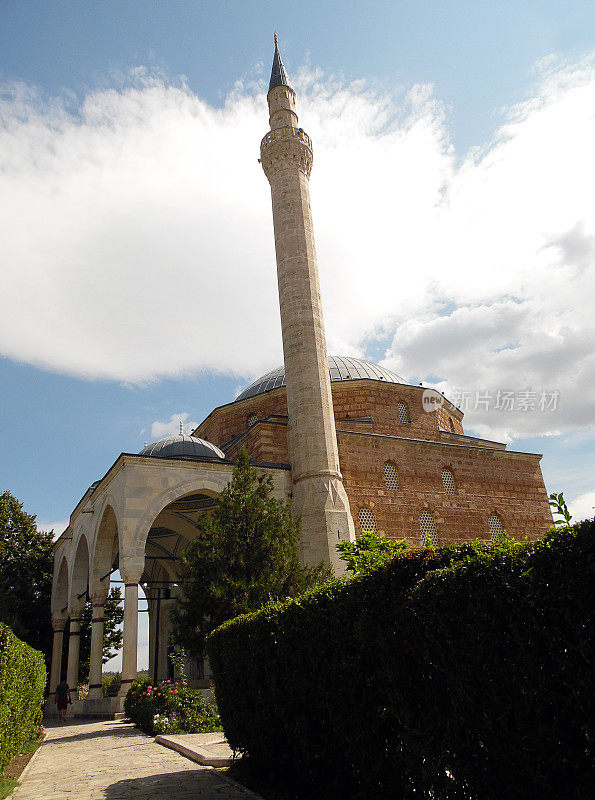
[98, 594]
[59, 623]
[75, 609]
[131, 568]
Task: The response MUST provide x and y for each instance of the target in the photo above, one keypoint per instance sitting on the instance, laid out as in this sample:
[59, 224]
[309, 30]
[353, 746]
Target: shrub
[110, 684]
[169, 707]
[457, 673]
[22, 683]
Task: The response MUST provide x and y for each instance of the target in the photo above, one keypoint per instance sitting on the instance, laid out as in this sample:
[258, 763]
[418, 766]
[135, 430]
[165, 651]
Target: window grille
[390, 476]
[403, 412]
[448, 481]
[367, 520]
[427, 527]
[495, 527]
[252, 419]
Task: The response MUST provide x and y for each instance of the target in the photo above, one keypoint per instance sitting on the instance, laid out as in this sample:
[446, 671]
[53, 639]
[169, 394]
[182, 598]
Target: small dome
[341, 368]
[182, 446]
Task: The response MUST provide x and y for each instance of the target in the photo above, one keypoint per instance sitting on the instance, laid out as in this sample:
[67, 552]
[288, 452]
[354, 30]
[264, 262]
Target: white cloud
[172, 426]
[137, 237]
[583, 507]
[57, 527]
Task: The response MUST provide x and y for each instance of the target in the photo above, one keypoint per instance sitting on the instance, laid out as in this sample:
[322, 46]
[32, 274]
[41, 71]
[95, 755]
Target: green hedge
[469, 681]
[22, 683]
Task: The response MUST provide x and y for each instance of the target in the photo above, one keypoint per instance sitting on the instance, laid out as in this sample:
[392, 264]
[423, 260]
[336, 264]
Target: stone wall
[486, 482]
[488, 478]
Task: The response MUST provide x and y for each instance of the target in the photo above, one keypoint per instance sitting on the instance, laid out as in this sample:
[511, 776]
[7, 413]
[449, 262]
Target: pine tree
[245, 553]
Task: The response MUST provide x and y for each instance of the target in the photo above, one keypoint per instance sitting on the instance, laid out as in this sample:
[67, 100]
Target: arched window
[390, 476]
[403, 412]
[448, 481]
[252, 419]
[367, 520]
[495, 527]
[451, 423]
[427, 527]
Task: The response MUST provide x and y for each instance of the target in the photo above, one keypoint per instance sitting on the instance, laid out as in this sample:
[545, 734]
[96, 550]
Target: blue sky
[453, 143]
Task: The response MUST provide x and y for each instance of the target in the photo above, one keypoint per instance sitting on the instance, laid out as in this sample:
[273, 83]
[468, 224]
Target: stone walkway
[82, 760]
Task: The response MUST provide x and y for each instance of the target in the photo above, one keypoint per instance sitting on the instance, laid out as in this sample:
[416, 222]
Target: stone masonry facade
[488, 479]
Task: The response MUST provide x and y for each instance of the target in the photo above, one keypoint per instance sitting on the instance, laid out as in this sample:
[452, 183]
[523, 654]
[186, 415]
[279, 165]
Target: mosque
[353, 445]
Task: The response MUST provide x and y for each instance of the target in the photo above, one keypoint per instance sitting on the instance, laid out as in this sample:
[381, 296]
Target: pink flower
[175, 691]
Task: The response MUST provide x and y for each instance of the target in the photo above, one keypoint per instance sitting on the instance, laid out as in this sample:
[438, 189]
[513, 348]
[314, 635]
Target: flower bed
[170, 707]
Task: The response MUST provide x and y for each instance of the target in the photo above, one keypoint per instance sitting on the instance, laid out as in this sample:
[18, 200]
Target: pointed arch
[212, 486]
[79, 580]
[107, 546]
[60, 591]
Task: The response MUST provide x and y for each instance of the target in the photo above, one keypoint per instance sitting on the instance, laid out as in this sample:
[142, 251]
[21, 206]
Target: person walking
[62, 699]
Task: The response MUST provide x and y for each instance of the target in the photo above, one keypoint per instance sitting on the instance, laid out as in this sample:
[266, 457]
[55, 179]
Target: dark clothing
[62, 692]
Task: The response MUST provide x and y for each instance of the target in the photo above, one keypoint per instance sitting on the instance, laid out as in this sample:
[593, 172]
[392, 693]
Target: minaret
[319, 496]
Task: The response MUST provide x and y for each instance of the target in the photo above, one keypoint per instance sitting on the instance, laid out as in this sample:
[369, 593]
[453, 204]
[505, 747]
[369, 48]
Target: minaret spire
[278, 72]
[319, 496]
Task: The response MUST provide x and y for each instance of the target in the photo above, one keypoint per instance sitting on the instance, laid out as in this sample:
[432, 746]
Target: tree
[369, 551]
[26, 564]
[245, 553]
[113, 614]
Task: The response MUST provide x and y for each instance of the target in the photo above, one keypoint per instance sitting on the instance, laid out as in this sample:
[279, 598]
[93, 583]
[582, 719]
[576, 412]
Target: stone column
[74, 641]
[58, 624]
[131, 570]
[96, 657]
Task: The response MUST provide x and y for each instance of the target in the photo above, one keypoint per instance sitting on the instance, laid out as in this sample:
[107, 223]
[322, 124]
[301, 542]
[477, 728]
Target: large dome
[341, 368]
[182, 446]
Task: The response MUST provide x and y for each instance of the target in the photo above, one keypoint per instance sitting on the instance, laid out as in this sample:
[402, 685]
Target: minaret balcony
[284, 134]
[283, 146]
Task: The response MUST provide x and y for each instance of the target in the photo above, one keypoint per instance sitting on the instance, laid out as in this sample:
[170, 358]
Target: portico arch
[79, 586]
[79, 581]
[105, 551]
[169, 532]
[210, 486]
[105, 559]
[59, 617]
[60, 591]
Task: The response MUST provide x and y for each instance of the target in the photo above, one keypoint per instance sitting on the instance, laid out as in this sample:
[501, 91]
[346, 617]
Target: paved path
[82, 760]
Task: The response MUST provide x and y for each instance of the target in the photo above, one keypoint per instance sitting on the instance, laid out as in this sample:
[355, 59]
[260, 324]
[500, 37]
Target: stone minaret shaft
[319, 496]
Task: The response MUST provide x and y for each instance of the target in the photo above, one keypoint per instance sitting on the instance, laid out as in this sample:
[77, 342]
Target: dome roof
[182, 446]
[341, 368]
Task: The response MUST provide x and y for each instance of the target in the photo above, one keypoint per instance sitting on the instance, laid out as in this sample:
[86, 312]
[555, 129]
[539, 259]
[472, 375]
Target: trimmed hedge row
[469, 681]
[22, 683]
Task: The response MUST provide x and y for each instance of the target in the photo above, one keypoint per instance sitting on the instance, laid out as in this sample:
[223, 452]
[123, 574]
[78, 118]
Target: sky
[452, 199]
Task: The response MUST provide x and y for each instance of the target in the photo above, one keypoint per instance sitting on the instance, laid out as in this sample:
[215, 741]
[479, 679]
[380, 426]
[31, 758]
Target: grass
[9, 782]
[7, 786]
[31, 747]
